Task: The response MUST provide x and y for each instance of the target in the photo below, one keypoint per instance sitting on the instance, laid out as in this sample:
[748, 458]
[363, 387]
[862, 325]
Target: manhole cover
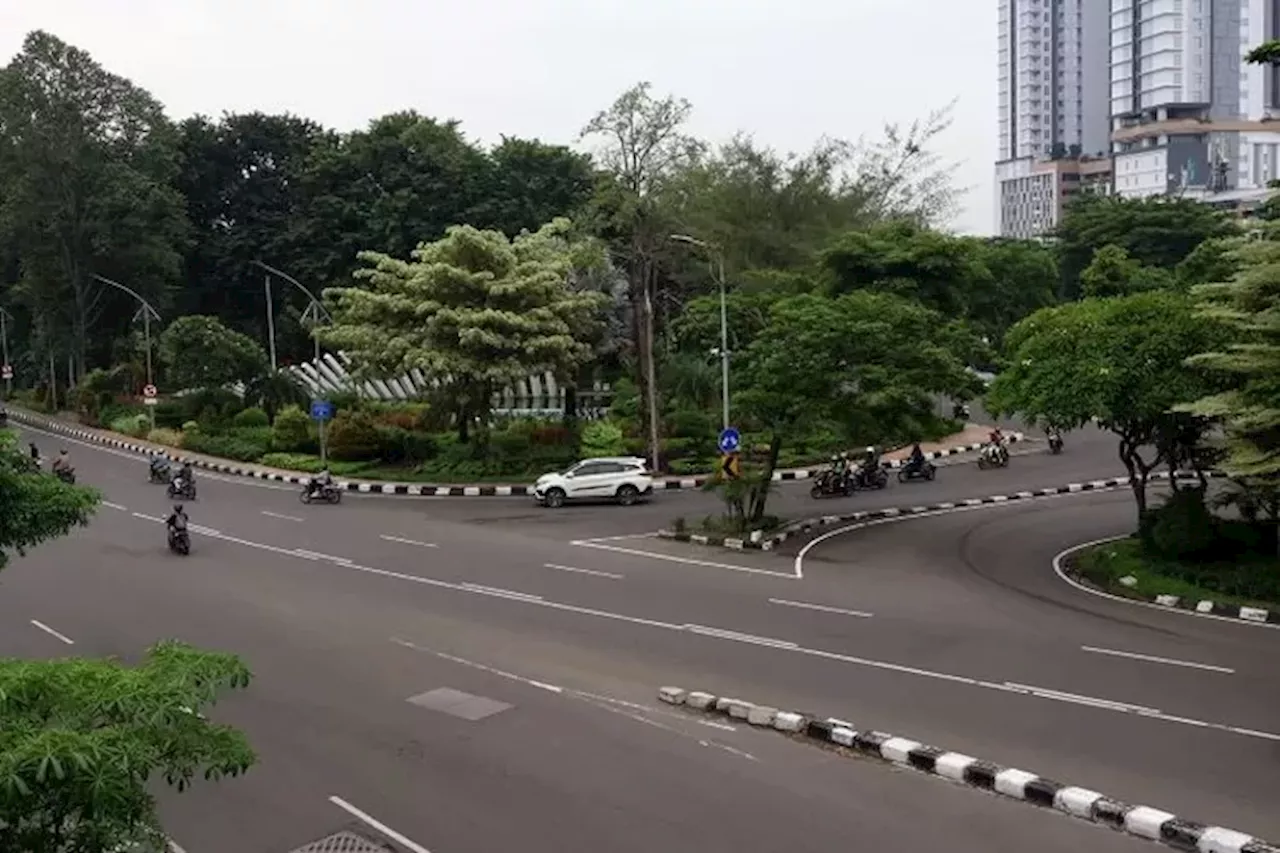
[344, 842]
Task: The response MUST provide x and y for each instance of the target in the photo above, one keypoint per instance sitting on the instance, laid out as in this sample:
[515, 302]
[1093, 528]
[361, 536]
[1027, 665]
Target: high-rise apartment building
[1188, 116]
[1053, 103]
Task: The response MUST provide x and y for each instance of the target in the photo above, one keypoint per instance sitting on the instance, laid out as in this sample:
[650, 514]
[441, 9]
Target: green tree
[529, 183]
[1024, 279]
[83, 739]
[869, 361]
[35, 507]
[1113, 273]
[1250, 409]
[475, 307]
[243, 181]
[1155, 232]
[87, 162]
[199, 352]
[1212, 261]
[1121, 360]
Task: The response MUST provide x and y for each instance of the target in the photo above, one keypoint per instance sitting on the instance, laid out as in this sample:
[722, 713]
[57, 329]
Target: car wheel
[555, 498]
[627, 494]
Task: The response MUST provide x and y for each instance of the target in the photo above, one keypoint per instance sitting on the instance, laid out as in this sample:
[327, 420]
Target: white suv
[625, 479]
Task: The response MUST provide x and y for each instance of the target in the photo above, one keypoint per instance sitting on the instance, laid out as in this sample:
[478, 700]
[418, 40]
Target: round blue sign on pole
[730, 440]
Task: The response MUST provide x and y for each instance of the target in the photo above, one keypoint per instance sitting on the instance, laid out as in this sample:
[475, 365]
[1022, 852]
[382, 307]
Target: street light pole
[315, 303]
[4, 342]
[147, 313]
[271, 321]
[718, 255]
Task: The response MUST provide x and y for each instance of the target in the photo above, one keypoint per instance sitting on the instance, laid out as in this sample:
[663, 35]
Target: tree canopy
[199, 352]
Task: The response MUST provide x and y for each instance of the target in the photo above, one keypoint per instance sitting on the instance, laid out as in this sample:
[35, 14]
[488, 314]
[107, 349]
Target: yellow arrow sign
[730, 466]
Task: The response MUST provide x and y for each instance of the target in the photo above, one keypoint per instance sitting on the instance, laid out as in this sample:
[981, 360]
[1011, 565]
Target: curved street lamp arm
[145, 304]
[295, 283]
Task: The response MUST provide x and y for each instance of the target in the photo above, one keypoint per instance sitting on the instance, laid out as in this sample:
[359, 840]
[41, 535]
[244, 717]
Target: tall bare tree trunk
[651, 378]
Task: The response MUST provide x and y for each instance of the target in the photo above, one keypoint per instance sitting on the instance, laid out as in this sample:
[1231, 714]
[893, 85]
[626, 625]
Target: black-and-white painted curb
[760, 541]
[1144, 822]
[1063, 566]
[666, 484]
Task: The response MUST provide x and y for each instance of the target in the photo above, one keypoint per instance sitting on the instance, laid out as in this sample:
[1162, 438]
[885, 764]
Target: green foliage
[602, 438]
[251, 417]
[1121, 360]
[83, 741]
[243, 445]
[1212, 261]
[476, 307]
[35, 506]
[201, 353]
[1182, 528]
[134, 425]
[291, 431]
[309, 463]
[1113, 273]
[167, 437]
[353, 436]
[1249, 303]
[1267, 53]
[1155, 232]
[1239, 575]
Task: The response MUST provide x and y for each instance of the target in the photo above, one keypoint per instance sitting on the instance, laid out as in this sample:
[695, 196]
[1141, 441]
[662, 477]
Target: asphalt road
[347, 612]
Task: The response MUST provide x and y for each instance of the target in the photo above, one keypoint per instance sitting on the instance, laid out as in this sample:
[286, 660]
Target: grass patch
[309, 464]
[1253, 582]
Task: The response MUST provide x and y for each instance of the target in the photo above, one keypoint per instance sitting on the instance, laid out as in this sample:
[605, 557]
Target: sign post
[149, 398]
[322, 412]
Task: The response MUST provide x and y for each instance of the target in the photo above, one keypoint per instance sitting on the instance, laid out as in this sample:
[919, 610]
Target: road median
[1146, 822]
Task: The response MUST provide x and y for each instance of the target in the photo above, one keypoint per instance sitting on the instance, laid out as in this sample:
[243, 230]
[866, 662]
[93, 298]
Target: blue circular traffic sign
[730, 440]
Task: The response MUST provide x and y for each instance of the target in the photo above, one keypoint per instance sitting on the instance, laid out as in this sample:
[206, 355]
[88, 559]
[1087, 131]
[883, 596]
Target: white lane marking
[52, 633]
[115, 506]
[541, 685]
[314, 555]
[145, 517]
[1061, 572]
[688, 561]
[747, 638]
[378, 825]
[173, 846]
[1081, 699]
[406, 541]
[739, 637]
[205, 531]
[283, 517]
[798, 566]
[861, 614]
[560, 568]
[500, 592]
[649, 709]
[640, 718]
[1154, 659]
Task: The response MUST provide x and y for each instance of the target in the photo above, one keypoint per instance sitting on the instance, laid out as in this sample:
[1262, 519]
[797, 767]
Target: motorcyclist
[960, 411]
[176, 521]
[62, 462]
[997, 442]
[917, 458]
[320, 482]
[158, 462]
[184, 477]
[35, 452]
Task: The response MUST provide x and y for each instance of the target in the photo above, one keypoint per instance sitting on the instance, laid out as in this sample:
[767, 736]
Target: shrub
[405, 447]
[191, 426]
[291, 432]
[250, 417]
[213, 407]
[167, 437]
[133, 425]
[112, 412]
[602, 438]
[353, 437]
[243, 445]
[1182, 528]
[309, 463]
[170, 414]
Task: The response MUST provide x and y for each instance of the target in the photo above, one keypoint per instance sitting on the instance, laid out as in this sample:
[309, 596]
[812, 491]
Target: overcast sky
[787, 71]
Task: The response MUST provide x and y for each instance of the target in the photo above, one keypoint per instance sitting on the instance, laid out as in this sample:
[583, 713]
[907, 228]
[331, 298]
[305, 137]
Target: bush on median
[242, 445]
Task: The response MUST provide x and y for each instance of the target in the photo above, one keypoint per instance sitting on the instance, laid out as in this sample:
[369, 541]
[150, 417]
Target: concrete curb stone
[665, 484]
[1141, 821]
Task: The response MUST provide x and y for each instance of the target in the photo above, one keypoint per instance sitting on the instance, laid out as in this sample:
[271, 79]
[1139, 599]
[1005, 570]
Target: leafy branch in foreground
[82, 739]
[35, 507]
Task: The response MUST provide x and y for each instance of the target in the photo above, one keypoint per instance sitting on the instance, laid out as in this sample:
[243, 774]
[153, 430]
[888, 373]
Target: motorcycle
[179, 541]
[830, 483]
[329, 493]
[1055, 444]
[181, 487]
[160, 474]
[870, 478]
[926, 470]
[992, 456]
[66, 475]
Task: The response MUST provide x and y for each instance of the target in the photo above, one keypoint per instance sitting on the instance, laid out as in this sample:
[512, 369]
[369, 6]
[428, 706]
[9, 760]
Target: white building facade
[1188, 116]
[1052, 102]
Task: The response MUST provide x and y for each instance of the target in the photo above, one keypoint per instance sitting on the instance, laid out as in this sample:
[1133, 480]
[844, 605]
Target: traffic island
[1146, 822]
[1122, 568]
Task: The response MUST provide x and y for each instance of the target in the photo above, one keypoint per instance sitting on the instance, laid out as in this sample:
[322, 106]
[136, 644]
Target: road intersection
[952, 629]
